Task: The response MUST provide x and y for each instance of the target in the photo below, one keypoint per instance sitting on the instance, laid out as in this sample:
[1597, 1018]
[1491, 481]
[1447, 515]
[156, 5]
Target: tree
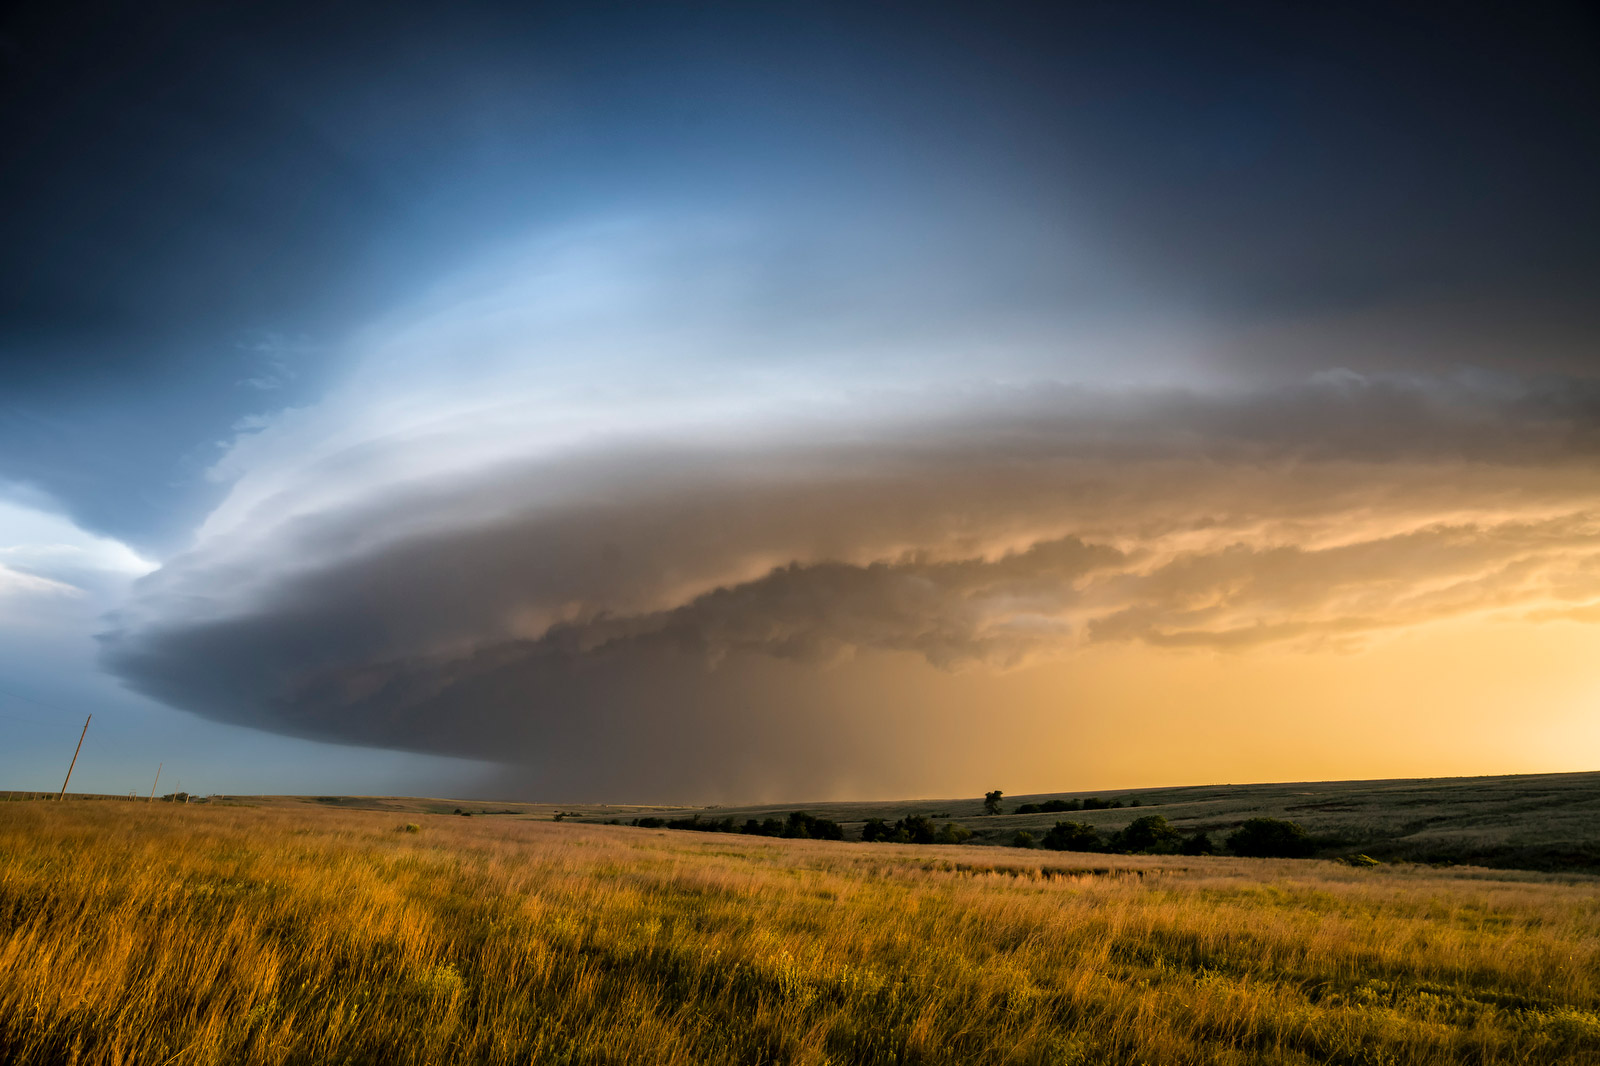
[991, 802]
[1270, 838]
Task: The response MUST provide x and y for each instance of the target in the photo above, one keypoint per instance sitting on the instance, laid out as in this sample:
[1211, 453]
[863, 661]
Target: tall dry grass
[161, 935]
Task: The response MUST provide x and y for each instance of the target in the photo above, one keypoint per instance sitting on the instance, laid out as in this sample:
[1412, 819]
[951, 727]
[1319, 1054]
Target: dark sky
[298, 298]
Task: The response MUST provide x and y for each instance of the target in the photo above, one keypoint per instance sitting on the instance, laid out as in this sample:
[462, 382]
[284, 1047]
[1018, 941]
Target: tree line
[1263, 838]
[800, 825]
[914, 829]
[1088, 803]
[1151, 834]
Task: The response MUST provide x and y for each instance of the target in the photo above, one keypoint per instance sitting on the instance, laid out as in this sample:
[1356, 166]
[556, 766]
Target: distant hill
[1526, 821]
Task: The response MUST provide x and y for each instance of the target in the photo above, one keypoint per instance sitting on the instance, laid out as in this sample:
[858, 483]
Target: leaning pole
[63, 794]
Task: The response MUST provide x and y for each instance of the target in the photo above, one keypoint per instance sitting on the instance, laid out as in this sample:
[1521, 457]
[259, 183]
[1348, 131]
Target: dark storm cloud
[1297, 187]
[608, 615]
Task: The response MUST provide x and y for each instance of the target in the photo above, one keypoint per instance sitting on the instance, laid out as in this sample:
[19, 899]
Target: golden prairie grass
[163, 935]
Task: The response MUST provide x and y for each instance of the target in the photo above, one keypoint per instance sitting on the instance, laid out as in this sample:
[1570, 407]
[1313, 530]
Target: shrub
[711, 825]
[411, 827]
[1073, 836]
[1054, 806]
[1150, 833]
[1197, 843]
[875, 829]
[913, 829]
[1361, 860]
[1023, 839]
[800, 825]
[804, 826]
[951, 833]
[1270, 838]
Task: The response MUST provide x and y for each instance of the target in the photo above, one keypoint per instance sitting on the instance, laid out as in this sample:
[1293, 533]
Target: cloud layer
[49, 565]
[651, 608]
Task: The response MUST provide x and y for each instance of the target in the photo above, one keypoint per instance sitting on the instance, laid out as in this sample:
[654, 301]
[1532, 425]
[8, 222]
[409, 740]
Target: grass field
[169, 934]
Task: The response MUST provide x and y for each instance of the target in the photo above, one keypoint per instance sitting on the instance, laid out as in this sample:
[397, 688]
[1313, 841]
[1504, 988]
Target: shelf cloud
[610, 606]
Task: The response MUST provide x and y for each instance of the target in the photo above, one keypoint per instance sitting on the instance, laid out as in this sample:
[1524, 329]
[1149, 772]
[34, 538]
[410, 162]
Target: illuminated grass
[148, 934]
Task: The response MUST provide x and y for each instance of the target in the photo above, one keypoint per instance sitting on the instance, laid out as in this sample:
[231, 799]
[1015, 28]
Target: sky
[767, 402]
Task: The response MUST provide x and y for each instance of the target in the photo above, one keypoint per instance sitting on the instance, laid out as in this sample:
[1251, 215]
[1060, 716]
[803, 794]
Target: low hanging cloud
[50, 569]
[662, 607]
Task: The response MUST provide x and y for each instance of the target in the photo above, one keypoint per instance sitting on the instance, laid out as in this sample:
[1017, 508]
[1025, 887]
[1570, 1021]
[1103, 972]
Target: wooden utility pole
[156, 782]
[75, 751]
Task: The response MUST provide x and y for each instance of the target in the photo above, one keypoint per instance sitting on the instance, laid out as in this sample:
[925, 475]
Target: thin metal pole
[156, 782]
[75, 757]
